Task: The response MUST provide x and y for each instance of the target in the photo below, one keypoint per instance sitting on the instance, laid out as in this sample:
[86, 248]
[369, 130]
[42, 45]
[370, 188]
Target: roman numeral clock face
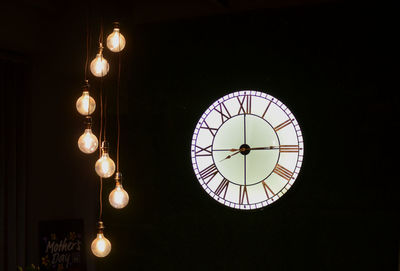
[247, 150]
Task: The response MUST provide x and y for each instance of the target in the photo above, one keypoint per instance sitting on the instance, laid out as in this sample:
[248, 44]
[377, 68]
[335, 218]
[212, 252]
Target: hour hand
[229, 156]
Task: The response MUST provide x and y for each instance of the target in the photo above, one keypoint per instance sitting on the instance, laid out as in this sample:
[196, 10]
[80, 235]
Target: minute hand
[264, 148]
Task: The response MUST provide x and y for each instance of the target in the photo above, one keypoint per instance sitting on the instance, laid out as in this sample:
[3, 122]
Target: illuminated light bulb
[105, 166]
[118, 198]
[99, 66]
[88, 142]
[85, 104]
[101, 247]
[116, 41]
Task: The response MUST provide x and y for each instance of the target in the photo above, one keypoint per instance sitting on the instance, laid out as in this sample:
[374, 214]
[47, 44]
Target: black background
[331, 64]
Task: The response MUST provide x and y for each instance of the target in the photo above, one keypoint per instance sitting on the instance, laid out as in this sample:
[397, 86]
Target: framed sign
[62, 245]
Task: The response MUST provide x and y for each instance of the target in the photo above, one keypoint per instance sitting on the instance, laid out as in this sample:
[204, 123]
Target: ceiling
[24, 23]
[146, 11]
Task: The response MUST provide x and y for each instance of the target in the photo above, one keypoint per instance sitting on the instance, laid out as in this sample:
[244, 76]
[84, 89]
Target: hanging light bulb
[118, 198]
[101, 247]
[99, 66]
[105, 166]
[116, 41]
[88, 142]
[85, 104]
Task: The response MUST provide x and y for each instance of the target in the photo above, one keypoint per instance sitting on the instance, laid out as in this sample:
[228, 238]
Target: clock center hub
[244, 149]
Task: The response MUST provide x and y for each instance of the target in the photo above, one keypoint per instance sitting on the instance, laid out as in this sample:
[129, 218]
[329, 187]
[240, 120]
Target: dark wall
[14, 153]
[331, 65]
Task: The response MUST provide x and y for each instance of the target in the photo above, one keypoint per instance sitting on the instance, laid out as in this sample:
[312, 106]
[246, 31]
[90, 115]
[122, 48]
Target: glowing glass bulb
[101, 247]
[118, 198]
[116, 41]
[85, 104]
[99, 66]
[105, 166]
[88, 142]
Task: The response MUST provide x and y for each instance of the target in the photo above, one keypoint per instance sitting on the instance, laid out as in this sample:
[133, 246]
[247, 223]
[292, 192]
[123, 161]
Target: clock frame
[247, 150]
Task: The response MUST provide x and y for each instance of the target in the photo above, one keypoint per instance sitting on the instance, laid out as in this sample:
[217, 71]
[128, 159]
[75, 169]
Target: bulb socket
[88, 122]
[101, 48]
[86, 86]
[118, 177]
[100, 227]
[105, 146]
[116, 24]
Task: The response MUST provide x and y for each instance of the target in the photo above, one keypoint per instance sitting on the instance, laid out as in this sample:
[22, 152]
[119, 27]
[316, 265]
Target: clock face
[247, 150]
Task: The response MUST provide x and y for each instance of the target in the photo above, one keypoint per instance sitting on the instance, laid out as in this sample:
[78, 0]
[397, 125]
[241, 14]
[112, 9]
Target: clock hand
[229, 156]
[231, 150]
[244, 127]
[245, 175]
[264, 148]
[249, 149]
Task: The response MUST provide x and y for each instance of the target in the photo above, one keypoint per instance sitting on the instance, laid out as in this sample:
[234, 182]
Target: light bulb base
[105, 146]
[101, 48]
[88, 122]
[86, 86]
[118, 178]
[100, 227]
[116, 24]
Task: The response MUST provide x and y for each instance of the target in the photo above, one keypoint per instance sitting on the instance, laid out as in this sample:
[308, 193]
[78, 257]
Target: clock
[247, 150]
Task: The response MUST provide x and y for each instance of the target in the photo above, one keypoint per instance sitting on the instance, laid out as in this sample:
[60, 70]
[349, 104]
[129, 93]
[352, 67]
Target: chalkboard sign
[62, 245]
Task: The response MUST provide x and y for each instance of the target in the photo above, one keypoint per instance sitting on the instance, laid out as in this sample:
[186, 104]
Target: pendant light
[116, 41]
[105, 166]
[88, 142]
[85, 104]
[118, 198]
[101, 246]
[99, 65]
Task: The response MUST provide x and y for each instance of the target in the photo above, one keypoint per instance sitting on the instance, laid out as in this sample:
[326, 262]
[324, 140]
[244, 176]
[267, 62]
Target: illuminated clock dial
[247, 150]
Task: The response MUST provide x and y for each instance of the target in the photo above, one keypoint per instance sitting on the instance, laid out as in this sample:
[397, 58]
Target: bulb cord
[101, 199]
[87, 61]
[87, 46]
[100, 150]
[105, 113]
[101, 31]
[118, 117]
[101, 115]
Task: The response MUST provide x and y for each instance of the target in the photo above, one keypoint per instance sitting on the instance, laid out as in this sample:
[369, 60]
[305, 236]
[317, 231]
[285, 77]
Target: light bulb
[105, 166]
[88, 142]
[99, 66]
[101, 247]
[116, 41]
[118, 198]
[85, 104]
